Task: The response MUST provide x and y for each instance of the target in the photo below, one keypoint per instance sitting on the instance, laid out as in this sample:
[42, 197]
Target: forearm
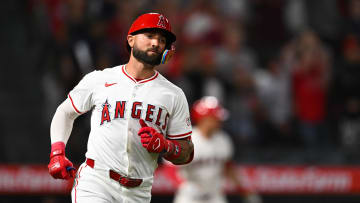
[230, 173]
[62, 122]
[249, 193]
[187, 150]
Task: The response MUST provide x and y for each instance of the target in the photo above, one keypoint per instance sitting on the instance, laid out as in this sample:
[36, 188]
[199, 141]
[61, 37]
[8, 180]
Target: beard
[142, 56]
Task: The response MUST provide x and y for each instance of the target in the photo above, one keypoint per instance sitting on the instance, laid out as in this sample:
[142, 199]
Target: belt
[124, 181]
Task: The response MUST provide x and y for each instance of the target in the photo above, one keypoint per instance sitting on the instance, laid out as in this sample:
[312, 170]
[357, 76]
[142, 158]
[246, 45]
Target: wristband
[57, 148]
[173, 151]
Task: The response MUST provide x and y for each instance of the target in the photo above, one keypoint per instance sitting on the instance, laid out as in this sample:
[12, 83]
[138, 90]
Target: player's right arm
[62, 122]
[79, 101]
[61, 126]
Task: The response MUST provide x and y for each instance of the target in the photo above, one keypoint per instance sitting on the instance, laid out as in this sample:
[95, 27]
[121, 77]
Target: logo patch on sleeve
[188, 121]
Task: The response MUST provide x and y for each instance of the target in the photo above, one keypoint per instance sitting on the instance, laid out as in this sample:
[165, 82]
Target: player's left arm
[174, 149]
[180, 124]
[186, 153]
[177, 151]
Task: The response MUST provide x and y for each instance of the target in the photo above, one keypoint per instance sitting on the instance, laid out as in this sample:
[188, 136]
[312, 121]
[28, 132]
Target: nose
[155, 42]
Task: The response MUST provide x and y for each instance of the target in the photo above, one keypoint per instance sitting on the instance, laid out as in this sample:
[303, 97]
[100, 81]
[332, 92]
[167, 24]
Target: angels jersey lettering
[117, 102]
[135, 112]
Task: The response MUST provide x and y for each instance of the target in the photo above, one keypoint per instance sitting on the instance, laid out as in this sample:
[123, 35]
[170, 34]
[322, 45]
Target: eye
[149, 35]
[163, 40]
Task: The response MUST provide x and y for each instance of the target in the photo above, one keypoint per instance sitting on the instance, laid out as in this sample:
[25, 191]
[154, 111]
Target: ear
[131, 40]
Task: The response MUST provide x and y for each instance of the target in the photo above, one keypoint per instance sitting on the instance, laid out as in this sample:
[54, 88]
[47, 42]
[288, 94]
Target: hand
[152, 140]
[60, 167]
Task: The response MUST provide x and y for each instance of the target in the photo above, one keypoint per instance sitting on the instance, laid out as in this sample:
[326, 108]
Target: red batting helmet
[153, 21]
[208, 106]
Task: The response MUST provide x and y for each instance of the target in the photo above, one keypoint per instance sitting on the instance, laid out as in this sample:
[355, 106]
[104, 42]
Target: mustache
[154, 50]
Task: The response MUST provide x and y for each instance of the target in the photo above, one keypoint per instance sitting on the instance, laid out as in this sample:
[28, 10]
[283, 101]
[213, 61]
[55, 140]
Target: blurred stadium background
[287, 70]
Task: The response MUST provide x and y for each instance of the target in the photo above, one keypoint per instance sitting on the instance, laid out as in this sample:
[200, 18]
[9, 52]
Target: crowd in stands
[288, 71]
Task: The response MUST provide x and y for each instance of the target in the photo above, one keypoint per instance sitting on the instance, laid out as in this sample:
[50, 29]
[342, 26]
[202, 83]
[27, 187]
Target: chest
[121, 101]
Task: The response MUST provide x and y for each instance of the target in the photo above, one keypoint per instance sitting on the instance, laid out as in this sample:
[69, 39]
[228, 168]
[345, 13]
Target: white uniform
[204, 175]
[118, 101]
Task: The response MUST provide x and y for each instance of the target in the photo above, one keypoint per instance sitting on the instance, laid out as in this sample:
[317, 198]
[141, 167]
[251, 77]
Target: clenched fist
[60, 167]
[152, 140]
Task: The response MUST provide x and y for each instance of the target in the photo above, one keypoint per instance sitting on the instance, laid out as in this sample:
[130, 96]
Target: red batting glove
[155, 142]
[152, 140]
[60, 167]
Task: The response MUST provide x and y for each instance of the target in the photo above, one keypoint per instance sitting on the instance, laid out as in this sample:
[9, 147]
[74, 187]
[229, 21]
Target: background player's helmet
[208, 106]
[152, 21]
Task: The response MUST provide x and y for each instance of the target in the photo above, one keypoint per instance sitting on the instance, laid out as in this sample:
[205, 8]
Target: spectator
[199, 76]
[244, 106]
[202, 24]
[234, 51]
[310, 86]
[273, 89]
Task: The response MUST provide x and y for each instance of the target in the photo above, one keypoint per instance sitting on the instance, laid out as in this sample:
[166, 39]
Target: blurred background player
[212, 161]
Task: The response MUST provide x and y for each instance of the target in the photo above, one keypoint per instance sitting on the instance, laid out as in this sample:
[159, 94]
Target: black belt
[124, 181]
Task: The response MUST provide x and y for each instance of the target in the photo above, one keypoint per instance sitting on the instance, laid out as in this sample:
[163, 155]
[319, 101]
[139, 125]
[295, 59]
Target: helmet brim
[170, 37]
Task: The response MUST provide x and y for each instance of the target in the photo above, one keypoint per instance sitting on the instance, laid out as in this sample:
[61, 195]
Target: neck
[139, 70]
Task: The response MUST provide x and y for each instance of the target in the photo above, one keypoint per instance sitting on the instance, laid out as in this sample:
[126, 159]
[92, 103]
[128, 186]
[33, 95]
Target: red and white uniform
[117, 102]
[204, 175]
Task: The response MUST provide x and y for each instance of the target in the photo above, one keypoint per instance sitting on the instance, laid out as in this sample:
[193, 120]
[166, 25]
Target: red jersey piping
[141, 81]
[180, 135]
[74, 105]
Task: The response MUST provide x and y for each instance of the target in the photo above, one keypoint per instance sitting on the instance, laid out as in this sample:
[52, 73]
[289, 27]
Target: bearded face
[146, 57]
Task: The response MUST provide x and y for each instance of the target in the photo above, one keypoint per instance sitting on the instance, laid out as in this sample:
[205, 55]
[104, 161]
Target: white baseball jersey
[204, 175]
[118, 101]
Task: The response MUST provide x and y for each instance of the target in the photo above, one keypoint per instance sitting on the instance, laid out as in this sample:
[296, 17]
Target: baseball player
[136, 115]
[212, 161]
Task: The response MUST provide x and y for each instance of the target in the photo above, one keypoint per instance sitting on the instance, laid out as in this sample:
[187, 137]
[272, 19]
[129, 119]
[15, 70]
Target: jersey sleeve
[179, 122]
[81, 95]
